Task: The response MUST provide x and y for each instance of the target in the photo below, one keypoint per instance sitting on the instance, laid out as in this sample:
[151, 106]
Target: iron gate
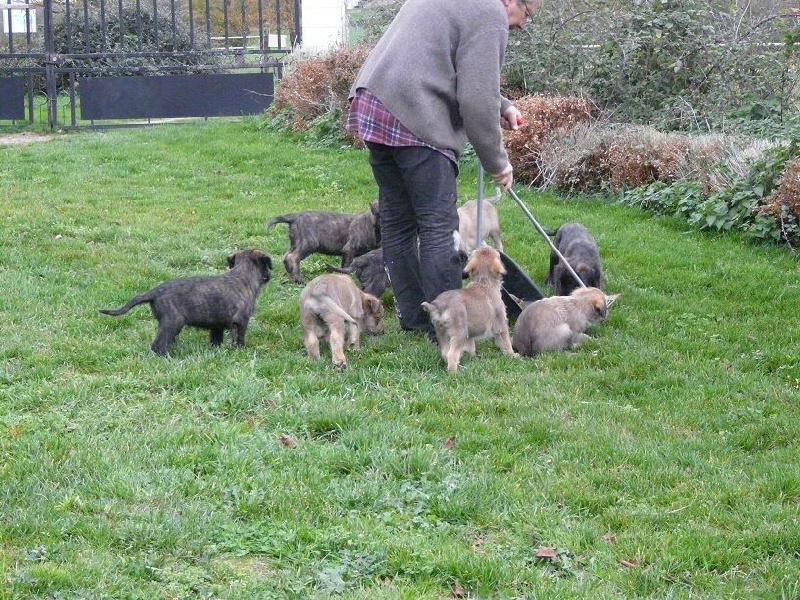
[98, 63]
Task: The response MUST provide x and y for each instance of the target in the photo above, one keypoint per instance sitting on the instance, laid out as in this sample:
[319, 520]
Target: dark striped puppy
[579, 248]
[369, 270]
[213, 302]
[327, 232]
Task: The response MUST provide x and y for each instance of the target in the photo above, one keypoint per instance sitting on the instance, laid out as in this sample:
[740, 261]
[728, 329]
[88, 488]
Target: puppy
[476, 312]
[468, 224]
[579, 248]
[559, 322]
[331, 233]
[369, 270]
[213, 302]
[331, 305]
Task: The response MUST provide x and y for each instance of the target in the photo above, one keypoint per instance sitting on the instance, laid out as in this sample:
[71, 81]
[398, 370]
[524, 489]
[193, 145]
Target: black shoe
[427, 330]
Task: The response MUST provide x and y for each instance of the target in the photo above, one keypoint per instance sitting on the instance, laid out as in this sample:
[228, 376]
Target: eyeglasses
[528, 15]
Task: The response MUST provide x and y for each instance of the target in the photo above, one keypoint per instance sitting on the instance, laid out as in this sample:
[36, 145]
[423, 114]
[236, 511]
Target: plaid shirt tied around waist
[372, 122]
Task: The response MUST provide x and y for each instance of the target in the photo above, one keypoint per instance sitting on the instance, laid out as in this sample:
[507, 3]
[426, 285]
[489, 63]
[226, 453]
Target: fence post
[298, 24]
[50, 60]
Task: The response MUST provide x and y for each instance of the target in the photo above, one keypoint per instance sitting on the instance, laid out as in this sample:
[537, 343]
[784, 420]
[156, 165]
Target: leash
[541, 230]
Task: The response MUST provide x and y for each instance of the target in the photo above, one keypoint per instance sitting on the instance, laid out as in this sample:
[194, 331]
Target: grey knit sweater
[437, 69]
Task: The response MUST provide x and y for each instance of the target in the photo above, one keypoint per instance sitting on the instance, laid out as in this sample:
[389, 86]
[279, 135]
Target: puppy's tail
[335, 269]
[140, 299]
[288, 219]
[430, 308]
[435, 312]
[333, 307]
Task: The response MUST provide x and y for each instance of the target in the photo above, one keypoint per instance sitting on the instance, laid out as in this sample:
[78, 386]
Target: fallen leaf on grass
[288, 441]
[459, 591]
[546, 553]
[610, 538]
[15, 431]
[449, 443]
[631, 564]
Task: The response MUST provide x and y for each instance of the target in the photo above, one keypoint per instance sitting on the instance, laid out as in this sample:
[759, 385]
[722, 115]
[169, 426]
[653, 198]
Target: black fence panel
[12, 98]
[77, 63]
[176, 96]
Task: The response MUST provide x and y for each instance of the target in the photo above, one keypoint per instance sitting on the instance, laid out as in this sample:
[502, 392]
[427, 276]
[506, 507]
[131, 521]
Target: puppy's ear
[231, 261]
[498, 266]
[266, 261]
[470, 266]
[371, 304]
[599, 306]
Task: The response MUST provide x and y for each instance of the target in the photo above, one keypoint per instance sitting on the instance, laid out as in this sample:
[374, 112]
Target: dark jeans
[417, 196]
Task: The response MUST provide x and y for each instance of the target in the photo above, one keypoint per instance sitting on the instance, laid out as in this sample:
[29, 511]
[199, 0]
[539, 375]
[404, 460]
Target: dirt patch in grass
[26, 137]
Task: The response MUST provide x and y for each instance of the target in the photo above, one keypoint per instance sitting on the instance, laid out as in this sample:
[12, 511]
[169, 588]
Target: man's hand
[504, 178]
[511, 118]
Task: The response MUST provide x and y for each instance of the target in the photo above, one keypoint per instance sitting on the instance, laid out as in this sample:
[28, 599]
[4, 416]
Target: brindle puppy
[369, 270]
[213, 302]
[579, 248]
[331, 233]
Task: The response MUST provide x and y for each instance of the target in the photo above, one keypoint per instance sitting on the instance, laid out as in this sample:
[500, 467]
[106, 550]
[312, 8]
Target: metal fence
[78, 63]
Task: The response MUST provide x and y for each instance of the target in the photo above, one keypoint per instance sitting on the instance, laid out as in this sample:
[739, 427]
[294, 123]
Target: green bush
[735, 208]
[686, 65]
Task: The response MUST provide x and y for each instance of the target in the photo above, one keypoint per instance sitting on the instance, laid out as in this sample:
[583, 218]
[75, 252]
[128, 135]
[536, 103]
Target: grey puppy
[333, 308]
[369, 270]
[579, 248]
[213, 302]
[328, 232]
[560, 322]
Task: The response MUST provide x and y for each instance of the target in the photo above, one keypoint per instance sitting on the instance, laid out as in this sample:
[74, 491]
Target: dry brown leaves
[288, 440]
[541, 114]
[316, 85]
[633, 157]
[787, 193]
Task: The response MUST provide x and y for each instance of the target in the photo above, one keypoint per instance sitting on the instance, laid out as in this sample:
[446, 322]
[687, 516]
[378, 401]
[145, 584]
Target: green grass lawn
[660, 460]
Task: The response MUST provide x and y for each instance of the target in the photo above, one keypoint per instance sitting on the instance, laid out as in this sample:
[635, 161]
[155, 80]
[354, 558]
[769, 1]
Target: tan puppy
[468, 224]
[331, 305]
[559, 322]
[475, 312]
